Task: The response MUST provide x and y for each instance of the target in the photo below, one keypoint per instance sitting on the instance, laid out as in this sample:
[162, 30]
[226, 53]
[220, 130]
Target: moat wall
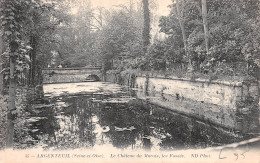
[232, 105]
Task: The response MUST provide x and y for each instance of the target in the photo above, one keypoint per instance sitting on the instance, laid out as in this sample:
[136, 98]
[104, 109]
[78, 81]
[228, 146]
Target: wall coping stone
[228, 83]
[75, 68]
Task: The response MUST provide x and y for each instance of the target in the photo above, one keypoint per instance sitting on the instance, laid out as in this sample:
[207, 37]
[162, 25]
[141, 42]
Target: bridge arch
[93, 77]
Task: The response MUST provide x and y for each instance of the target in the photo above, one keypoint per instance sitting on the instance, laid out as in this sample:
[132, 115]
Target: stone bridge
[71, 75]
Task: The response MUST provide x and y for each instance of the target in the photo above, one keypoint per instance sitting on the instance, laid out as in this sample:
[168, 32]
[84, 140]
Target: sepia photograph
[129, 81]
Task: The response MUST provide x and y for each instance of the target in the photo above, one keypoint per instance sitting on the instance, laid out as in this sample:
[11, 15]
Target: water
[96, 115]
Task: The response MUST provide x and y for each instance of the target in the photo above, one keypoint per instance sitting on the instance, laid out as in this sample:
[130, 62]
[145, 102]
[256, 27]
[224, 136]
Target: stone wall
[66, 75]
[64, 78]
[233, 105]
[83, 70]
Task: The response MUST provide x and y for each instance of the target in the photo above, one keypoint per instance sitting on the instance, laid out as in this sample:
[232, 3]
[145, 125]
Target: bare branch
[122, 6]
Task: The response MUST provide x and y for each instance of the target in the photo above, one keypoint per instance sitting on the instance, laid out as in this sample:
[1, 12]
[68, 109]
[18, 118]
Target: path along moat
[99, 115]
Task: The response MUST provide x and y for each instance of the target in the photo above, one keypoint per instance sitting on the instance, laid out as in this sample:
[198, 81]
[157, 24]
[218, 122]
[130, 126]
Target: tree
[227, 24]
[11, 35]
[1, 58]
[20, 23]
[83, 31]
[43, 20]
[120, 38]
[178, 26]
[180, 17]
[251, 41]
[205, 24]
[12, 94]
[146, 29]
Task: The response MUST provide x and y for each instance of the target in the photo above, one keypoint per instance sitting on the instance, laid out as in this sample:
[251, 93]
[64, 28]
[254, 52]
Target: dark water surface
[99, 115]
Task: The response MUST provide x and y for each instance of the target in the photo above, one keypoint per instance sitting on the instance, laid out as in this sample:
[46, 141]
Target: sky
[162, 9]
[162, 5]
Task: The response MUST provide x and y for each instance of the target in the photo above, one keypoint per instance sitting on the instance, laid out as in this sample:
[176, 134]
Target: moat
[100, 115]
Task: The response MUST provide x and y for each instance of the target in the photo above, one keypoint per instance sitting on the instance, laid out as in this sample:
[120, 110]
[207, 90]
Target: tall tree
[205, 24]
[147, 28]
[12, 94]
[18, 21]
[180, 11]
[180, 15]
[41, 22]
[10, 14]
[1, 52]
[39, 32]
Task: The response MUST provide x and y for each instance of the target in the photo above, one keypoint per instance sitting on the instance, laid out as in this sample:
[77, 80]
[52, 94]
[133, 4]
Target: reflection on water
[103, 119]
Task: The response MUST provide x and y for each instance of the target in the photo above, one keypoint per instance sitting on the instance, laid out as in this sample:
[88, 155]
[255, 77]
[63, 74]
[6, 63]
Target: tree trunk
[1, 65]
[32, 68]
[1, 59]
[11, 104]
[180, 19]
[205, 24]
[146, 29]
[184, 37]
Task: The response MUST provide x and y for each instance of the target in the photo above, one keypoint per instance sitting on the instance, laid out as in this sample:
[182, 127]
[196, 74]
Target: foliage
[233, 32]
[49, 34]
[3, 120]
[120, 38]
[11, 23]
[30, 24]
